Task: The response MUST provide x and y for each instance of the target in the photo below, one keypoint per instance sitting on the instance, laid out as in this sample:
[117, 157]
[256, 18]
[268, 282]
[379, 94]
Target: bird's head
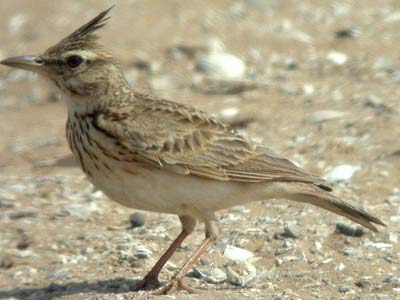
[78, 65]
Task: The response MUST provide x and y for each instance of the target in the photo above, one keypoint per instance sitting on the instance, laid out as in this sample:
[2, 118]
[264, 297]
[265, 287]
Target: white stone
[222, 66]
[378, 245]
[324, 115]
[230, 112]
[338, 58]
[237, 254]
[216, 276]
[341, 173]
[340, 267]
[393, 17]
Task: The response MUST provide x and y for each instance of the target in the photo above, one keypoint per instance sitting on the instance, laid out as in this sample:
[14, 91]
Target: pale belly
[162, 191]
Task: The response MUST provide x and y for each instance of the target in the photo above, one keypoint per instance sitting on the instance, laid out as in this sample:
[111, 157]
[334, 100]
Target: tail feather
[329, 202]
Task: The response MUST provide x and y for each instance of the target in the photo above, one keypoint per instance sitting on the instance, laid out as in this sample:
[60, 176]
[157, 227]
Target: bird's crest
[84, 37]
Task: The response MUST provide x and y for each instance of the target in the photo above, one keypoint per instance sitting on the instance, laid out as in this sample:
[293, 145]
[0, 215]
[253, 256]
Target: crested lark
[152, 154]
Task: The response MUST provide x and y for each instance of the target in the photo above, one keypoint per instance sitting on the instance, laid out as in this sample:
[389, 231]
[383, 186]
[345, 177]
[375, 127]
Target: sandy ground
[61, 239]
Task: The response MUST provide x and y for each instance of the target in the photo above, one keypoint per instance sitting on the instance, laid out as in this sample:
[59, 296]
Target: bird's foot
[149, 283]
[171, 286]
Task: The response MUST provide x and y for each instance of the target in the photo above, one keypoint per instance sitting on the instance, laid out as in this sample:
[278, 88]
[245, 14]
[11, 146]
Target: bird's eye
[74, 61]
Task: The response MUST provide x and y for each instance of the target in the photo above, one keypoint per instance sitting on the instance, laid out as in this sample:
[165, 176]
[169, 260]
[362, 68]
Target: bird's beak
[30, 63]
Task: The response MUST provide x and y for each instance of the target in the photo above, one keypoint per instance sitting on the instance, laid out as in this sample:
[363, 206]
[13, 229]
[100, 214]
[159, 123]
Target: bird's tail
[324, 199]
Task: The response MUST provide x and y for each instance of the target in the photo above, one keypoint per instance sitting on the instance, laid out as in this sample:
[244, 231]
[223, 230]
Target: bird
[156, 155]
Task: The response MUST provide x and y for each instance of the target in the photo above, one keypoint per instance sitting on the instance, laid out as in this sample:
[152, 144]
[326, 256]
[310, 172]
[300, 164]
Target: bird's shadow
[112, 286]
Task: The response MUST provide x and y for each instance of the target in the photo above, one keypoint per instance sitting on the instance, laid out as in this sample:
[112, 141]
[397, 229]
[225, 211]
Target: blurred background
[316, 81]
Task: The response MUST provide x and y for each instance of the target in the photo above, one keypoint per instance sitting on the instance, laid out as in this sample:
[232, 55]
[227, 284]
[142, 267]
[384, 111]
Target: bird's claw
[149, 283]
[171, 286]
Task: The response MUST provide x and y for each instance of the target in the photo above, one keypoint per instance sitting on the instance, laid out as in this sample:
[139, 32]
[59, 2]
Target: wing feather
[183, 140]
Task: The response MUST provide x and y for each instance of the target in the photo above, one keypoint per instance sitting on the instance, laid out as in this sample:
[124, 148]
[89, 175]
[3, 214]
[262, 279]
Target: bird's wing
[184, 140]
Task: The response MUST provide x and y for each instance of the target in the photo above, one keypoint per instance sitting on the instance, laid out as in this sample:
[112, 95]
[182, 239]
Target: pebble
[141, 252]
[341, 173]
[292, 231]
[393, 17]
[230, 112]
[343, 289]
[216, 276]
[350, 251]
[337, 58]
[395, 280]
[248, 274]
[7, 200]
[348, 230]
[59, 274]
[348, 33]
[381, 246]
[83, 209]
[221, 65]
[324, 115]
[237, 254]
[137, 219]
[363, 282]
[393, 199]
[195, 272]
[6, 262]
[340, 267]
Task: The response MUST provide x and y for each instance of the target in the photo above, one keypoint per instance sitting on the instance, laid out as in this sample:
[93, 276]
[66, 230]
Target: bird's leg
[151, 279]
[212, 233]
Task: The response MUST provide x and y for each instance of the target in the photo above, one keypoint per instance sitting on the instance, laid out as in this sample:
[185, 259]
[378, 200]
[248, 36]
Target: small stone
[6, 262]
[324, 115]
[350, 231]
[341, 173]
[393, 237]
[141, 252]
[393, 17]
[343, 289]
[318, 245]
[393, 280]
[195, 272]
[230, 112]
[291, 64]
[308, 89]
[394, 198]
[59, 274]
[380, 246]
[337, 58]
[363, 282]
[22, 214]
[137, 219]
[237, 254]
[340, 267]
[216, 276]
[348, 33]
[247, 275]
[292, 231]
[221, 65]
[278, 262]
[350, 251]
